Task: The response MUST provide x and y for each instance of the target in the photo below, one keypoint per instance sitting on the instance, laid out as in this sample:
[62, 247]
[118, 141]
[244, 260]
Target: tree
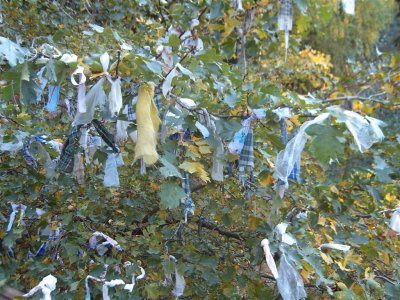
[230, 61]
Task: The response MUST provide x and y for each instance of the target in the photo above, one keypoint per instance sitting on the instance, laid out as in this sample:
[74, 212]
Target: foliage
[349, 196]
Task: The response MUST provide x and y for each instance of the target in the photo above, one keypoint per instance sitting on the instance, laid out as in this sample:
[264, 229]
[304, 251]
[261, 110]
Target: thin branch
[11, 119]
[212, 226]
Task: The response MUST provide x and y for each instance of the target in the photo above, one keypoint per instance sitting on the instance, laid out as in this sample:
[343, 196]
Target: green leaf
[29, 90]
[154, 66]
[325, 145]
[174, 41]
[169, 169]
[231, 98]
[170, 195]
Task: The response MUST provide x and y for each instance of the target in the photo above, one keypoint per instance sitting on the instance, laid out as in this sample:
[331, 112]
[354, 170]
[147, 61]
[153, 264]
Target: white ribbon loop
[81, 88]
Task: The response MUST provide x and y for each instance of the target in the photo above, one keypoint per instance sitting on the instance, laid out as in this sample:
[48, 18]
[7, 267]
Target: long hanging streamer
[81, 101]
[14, 208]
[180, 283]
[54, 95]
[46, 286]
[79, 169]
[189, 205]
[147, 125]
[285, 20]
[290, 283]
[269, 258]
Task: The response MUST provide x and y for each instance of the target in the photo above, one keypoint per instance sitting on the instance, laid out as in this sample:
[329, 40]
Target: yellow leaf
[390, 197]
[252, 223]
[334, 190]
[295, 120]
[264, 2]
[341, 285]
[195, 167]
[204, 149]
[326, 258]
[321, 221]
[266, 180]
[386, 258]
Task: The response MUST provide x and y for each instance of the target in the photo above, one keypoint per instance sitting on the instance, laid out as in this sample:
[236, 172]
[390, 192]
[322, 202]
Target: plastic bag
[287, 158]
[334, 246]
[47, 285]
[290, 284]
[349, 6]
[366, 131]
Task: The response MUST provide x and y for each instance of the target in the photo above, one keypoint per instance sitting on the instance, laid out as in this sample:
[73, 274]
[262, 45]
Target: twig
[12, 120]
[212, 226]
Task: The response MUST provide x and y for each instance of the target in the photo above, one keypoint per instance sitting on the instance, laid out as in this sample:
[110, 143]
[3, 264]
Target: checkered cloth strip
[107, 137]
[27, 155]
[69, 149]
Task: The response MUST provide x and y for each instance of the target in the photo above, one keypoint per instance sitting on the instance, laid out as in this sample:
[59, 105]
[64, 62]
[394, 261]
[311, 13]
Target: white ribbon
[129, 287]
[105, 61]
[334, 246]
[81, 88]
[109, 241]
[14, 208]
[47, 285]
[180, 283]
[269, 258]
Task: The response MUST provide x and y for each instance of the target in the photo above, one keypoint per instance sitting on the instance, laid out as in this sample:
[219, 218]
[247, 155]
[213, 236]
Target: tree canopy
[265, 144]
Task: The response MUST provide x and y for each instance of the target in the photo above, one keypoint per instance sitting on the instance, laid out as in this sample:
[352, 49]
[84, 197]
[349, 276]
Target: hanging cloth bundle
[243, 144]
[285, 20]
[81, 102]
[147, 125]
[121, 128]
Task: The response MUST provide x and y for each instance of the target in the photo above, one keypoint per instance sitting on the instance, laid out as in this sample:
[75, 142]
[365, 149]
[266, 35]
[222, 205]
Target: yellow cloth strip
[147, 125]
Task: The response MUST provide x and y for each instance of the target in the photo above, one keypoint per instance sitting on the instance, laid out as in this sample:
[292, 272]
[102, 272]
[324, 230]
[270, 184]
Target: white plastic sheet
[95, 96]
[290, 283]
[366, 131]
[287, 158]
[180, 283]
